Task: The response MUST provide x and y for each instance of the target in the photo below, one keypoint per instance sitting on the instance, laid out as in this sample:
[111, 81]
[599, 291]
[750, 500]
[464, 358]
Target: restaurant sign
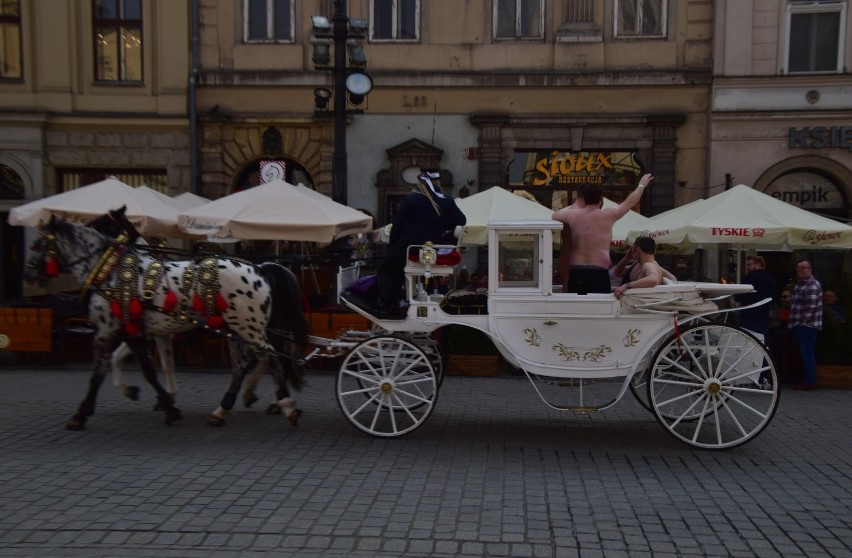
[572, 168]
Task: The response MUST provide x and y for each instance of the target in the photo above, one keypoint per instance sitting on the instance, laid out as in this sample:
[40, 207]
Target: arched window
[11, 185]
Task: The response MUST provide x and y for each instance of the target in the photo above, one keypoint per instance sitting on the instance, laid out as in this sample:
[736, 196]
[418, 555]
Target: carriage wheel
[387, 386]
[713, 387]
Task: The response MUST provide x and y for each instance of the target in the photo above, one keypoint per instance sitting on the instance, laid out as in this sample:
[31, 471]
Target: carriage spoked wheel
[713, 387]
[387, 386]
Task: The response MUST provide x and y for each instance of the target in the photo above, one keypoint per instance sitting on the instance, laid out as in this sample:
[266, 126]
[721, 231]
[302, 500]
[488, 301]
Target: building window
[10, 40]
[71, 179]
[268, 20]
[640, 18]
[11, 185]
[395, 20]
[816, 36]
[518, 19]
[118, 40]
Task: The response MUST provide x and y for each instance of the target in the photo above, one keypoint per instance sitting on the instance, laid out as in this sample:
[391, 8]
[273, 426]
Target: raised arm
[634, 197]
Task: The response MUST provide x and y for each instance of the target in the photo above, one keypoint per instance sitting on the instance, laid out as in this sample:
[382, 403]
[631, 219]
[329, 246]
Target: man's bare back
[591, 227]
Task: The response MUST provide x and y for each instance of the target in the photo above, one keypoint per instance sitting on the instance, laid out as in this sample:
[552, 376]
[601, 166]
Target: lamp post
[344, 34]
[339, 163]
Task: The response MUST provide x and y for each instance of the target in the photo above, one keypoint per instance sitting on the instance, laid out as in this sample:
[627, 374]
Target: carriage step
[583, 409]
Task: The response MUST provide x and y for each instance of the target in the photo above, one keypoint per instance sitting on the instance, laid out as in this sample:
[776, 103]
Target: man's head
[829, 298]
[592, 194]
[804, 270]
[755, 262]
[646, 245]
[786, 297]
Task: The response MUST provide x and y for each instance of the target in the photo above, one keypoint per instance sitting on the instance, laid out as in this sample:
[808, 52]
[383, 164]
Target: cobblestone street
[494, 472]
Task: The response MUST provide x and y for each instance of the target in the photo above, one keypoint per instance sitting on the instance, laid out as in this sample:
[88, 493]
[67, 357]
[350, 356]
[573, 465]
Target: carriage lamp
[428, 255]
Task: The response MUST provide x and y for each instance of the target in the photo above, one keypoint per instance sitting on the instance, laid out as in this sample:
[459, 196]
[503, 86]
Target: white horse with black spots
[134, 295]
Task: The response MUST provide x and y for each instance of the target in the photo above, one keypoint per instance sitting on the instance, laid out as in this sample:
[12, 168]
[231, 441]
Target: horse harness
[200, 279]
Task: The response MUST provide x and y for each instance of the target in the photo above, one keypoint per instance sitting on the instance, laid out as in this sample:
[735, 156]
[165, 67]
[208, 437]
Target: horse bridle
[48, 261]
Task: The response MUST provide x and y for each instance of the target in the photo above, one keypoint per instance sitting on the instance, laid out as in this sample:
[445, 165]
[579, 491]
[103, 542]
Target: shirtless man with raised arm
[591, 235]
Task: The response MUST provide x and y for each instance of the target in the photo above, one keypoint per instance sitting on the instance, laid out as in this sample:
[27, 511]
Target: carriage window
[518, 260]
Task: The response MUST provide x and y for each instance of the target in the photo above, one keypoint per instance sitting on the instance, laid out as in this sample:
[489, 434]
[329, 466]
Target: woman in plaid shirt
[806, 320]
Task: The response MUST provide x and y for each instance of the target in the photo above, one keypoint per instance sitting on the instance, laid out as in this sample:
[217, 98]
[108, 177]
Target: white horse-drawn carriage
[709, 384]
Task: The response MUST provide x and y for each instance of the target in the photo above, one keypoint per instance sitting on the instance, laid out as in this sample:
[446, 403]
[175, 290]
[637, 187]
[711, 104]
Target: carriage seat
[678, 297]
[465, 301]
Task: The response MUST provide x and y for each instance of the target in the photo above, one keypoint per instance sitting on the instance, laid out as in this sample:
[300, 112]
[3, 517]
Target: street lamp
[343, 34]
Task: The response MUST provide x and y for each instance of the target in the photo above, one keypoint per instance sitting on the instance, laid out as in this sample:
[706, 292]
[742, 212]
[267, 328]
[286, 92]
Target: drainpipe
[195, 179]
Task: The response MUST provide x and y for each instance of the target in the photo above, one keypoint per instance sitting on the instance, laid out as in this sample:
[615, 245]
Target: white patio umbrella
[496, 204]
[276, 210]
[743, 218]
[149, 214]
[188, 200]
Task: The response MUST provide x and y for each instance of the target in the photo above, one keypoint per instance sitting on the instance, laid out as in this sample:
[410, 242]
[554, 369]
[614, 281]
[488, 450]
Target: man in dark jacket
[424, 215]
[757, 319]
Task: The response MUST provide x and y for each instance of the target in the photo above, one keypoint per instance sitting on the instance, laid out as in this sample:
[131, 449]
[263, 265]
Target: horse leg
[240, 366]
[164, 400]
[284, 404]
[118, 355]
[250, 391]
[167, 360]
[101, 351]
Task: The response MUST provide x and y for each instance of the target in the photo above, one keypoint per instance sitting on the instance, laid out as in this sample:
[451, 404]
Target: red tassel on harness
[131, 328]
[135, 309]
[197, 303]
[51, 267]
[215, 322]
[115, 308]
[221, 303]
[170, 303]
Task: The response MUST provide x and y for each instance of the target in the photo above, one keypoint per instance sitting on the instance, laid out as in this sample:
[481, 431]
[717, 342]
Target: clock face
[359, 83]
[272, 170]
[410, 174]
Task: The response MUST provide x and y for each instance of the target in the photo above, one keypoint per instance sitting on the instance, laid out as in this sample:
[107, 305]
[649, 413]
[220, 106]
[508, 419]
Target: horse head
[114, 223]
[62, 247]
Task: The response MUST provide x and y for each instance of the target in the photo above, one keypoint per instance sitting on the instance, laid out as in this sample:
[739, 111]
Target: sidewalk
[494, 472]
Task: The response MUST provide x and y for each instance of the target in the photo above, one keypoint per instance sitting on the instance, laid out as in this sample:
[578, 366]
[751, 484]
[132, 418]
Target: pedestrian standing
[806, 320]
[757, 319]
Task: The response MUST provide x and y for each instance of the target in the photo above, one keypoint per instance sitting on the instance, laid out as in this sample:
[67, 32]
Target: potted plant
[471, 353]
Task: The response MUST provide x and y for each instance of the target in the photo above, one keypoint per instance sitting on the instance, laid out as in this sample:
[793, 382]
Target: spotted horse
[115, 223]
[133, 294]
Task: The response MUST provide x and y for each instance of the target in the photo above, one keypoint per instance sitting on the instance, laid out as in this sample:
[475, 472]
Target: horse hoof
[294, 417]
[273, 409]
[132, 393]
[159, 407]
[249, 401]
[213, 420]
[75, 424]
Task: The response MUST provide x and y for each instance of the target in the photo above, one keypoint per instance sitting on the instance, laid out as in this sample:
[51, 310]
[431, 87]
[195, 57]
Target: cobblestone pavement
[494, 472]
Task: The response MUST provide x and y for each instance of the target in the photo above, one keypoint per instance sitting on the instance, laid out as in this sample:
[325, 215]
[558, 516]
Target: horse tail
[287, 313]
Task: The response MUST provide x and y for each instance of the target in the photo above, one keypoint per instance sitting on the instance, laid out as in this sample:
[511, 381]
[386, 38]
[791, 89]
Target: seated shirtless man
[591, 235]
[650, 273]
